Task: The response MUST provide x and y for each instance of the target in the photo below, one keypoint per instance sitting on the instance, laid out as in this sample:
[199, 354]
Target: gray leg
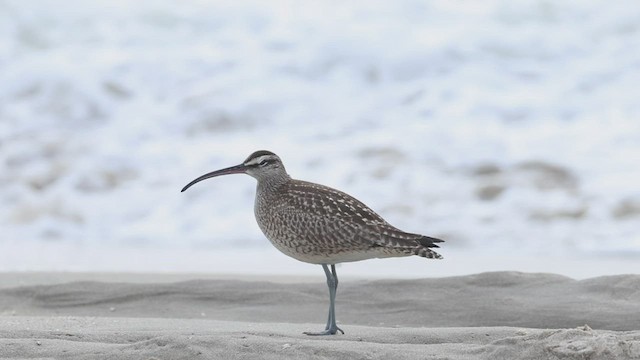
[332, 282]
[333, 328]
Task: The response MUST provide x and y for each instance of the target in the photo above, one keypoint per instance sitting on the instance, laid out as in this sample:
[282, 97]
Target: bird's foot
[329, 331]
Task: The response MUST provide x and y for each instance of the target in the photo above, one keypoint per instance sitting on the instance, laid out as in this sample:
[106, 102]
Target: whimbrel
[320, 225]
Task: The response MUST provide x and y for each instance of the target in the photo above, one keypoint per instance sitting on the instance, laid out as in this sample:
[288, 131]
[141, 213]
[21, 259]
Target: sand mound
[488, 316]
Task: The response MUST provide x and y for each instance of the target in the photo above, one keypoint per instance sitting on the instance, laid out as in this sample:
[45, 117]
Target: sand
[500, 315]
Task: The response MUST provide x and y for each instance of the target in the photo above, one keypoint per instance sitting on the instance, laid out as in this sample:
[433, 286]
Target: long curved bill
[238, 169]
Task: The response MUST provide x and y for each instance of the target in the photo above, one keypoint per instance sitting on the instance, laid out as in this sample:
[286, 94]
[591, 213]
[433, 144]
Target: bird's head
[262, 165]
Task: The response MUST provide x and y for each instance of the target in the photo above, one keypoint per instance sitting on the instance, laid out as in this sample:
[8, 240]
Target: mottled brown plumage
[320, 225]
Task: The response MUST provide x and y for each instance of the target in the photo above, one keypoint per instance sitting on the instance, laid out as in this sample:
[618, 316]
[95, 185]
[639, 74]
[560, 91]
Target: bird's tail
[423, 249]
[410, 244]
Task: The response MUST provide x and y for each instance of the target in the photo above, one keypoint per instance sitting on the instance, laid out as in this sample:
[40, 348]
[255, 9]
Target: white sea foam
[502, 127]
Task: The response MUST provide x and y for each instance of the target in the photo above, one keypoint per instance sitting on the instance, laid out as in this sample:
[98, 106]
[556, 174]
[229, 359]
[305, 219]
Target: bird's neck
[273, 183]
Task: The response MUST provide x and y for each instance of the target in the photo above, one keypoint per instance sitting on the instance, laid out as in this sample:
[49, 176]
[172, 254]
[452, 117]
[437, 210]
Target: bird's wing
[334, 217]
[325, 202]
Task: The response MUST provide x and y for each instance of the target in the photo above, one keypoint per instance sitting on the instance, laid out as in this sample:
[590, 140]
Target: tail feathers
[429, 242]
[425, 252]
[424, 249]
[408, 243]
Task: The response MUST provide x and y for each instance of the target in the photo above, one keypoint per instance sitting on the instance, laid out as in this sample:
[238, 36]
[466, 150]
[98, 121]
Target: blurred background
[510, 129]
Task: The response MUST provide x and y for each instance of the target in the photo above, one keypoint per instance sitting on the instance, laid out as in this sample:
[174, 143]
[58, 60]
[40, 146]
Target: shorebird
[319, 225]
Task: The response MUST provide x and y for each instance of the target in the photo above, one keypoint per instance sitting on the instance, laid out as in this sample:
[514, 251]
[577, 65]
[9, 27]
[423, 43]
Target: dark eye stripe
[261, 161]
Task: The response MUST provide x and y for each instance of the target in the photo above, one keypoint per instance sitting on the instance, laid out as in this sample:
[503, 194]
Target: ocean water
[509, 129]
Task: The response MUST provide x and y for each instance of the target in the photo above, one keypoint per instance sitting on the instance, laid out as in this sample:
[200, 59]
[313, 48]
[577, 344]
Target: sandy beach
[499, 315]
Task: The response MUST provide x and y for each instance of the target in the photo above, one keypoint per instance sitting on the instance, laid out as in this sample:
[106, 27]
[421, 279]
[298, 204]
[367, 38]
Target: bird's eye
[263, 162]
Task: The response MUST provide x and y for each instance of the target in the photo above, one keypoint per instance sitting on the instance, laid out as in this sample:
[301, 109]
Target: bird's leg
[332, 282]
[332, 327]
